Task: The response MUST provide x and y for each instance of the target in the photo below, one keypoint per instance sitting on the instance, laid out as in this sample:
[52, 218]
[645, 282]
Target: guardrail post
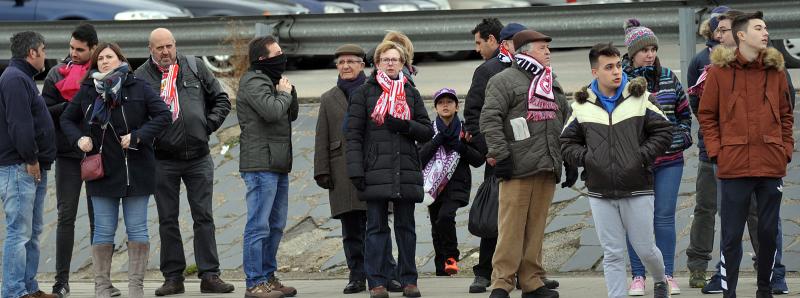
[687, 40]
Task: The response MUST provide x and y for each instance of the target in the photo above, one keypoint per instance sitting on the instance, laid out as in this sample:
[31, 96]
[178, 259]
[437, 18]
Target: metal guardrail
[570, 26]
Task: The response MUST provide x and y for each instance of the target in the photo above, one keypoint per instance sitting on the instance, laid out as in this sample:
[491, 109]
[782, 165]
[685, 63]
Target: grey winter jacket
[506, 99]
[265, 116]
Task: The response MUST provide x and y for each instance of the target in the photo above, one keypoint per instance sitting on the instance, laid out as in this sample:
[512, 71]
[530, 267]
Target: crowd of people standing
[127, 135]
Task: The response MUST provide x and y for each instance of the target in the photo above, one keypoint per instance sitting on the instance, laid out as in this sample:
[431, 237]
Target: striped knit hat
[638, 37]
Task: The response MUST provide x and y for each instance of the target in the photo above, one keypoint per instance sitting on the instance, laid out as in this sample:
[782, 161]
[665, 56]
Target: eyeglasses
[723, 30]
[390, 60]
[350, 62]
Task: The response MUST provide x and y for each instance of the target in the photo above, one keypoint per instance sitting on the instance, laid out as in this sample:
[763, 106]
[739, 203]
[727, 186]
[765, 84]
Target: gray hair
[525, 48]
[23, 42]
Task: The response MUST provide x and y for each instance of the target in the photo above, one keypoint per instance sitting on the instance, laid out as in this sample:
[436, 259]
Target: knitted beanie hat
[638, 37]
[713, 21]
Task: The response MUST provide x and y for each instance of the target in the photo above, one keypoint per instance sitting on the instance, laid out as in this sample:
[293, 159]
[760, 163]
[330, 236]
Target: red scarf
[392, 100]
[505, 56]
[169, 91]
[73, 74]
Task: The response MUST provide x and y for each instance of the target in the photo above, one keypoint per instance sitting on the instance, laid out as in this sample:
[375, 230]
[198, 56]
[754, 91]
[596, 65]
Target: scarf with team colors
[505, 56]
[392, 100]
[169, 91]
[541, 99]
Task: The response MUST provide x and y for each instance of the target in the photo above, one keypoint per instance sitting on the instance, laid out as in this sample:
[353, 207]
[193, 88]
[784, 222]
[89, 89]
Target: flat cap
[350, 49]
[527, 36]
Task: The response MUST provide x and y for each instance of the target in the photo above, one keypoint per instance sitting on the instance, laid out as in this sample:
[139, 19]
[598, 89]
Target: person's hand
[491, 161]
[504, 168]
[571, 174]
[468, 136]
[125, 141]
[359, 182]
[284, 85]
[324, 181]
[34, 171]
[85, 144]
[396, 125]
[438, 140]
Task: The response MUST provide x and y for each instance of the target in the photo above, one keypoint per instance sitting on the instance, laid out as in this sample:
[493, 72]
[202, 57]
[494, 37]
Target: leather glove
[324, 181]
[359, 182]
[438, 140]
[396, 125]
[571, 176]
[504, 168]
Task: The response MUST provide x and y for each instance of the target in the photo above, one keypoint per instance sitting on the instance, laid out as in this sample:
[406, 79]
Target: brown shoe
[40, 294]
[262, 290]
[378, 292]
[411, 291]
[276, 285]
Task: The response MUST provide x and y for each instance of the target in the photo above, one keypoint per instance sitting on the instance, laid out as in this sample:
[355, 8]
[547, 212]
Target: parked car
[52, 10]
[208, 8]
[392, 5]
[319, 6]
[484, 4]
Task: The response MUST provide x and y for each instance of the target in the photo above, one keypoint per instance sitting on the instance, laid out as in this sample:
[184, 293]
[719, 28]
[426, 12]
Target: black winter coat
[388, 161]
[143, 114]
[204, 106]
[460, 184]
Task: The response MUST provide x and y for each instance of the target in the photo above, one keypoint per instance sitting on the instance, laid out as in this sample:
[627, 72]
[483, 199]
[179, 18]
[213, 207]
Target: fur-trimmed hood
[726, 57]
[636, 87]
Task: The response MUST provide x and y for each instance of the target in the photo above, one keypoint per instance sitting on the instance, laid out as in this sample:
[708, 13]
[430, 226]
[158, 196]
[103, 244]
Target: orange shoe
[451, 266]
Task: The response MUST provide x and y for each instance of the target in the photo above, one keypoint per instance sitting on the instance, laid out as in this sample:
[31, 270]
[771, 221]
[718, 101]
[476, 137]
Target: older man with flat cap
[522, 132]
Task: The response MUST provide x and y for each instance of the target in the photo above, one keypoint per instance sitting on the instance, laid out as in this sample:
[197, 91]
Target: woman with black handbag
[114, 119]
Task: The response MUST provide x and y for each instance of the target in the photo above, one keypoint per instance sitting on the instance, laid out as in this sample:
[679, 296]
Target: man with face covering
[198, 105]
[266, 105]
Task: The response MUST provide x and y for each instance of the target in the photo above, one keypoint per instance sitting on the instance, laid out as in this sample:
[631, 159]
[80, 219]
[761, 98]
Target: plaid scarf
[440, 169]
[541, 100]
[505, 56]
[392, 100]
[108, 87]
[169, 91]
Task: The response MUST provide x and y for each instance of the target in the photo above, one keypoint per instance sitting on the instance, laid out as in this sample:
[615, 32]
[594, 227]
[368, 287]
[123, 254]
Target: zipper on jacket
[125, 152]
[610, 138]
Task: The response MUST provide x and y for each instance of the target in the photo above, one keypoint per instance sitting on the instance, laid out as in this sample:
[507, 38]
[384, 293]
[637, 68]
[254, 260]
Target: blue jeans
[106, 216]
[267, 209]
[667, 184]
[23, 204]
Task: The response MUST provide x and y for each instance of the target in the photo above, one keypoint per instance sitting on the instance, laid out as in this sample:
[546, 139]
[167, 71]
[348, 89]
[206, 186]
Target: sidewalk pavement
[432, 287]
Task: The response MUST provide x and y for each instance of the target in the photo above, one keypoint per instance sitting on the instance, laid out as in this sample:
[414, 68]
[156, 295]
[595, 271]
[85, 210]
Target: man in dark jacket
[60, 86]
[493, 42]
[615, 133]
[27, 149]
[198, 105]
[266, 105]
[521, 131]
[753, 152]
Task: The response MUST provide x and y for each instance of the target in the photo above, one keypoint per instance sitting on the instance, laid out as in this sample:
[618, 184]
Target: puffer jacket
[616, 150]
[506, 99]
[746, 115]
[204, 106]
[265, 116]
[671, 98]
[388, 161]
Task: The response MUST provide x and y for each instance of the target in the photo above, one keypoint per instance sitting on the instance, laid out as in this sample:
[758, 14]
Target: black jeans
[442, 214]
[734, 207]
[198, 176]
[486, 252]
[354, 228]
[378, 244]
[68, 192]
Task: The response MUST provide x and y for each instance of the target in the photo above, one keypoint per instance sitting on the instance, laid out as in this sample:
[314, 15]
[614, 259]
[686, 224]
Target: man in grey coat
[266, 105]
[198, 105]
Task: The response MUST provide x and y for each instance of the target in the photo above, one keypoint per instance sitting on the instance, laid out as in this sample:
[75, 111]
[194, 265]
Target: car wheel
[219, 64]
[790, 48]
[451, 55]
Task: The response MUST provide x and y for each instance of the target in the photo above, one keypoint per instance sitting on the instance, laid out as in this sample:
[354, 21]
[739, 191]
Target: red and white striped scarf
[541, 99]
[697, 89]
[505, 55]
[392, 100]
[169, 91]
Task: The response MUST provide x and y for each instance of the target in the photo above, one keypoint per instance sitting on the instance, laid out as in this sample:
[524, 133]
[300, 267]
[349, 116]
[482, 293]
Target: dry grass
[237, 42]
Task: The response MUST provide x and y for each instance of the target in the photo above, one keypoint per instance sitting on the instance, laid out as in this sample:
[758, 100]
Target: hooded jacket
[746, 115]
[617, 150]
